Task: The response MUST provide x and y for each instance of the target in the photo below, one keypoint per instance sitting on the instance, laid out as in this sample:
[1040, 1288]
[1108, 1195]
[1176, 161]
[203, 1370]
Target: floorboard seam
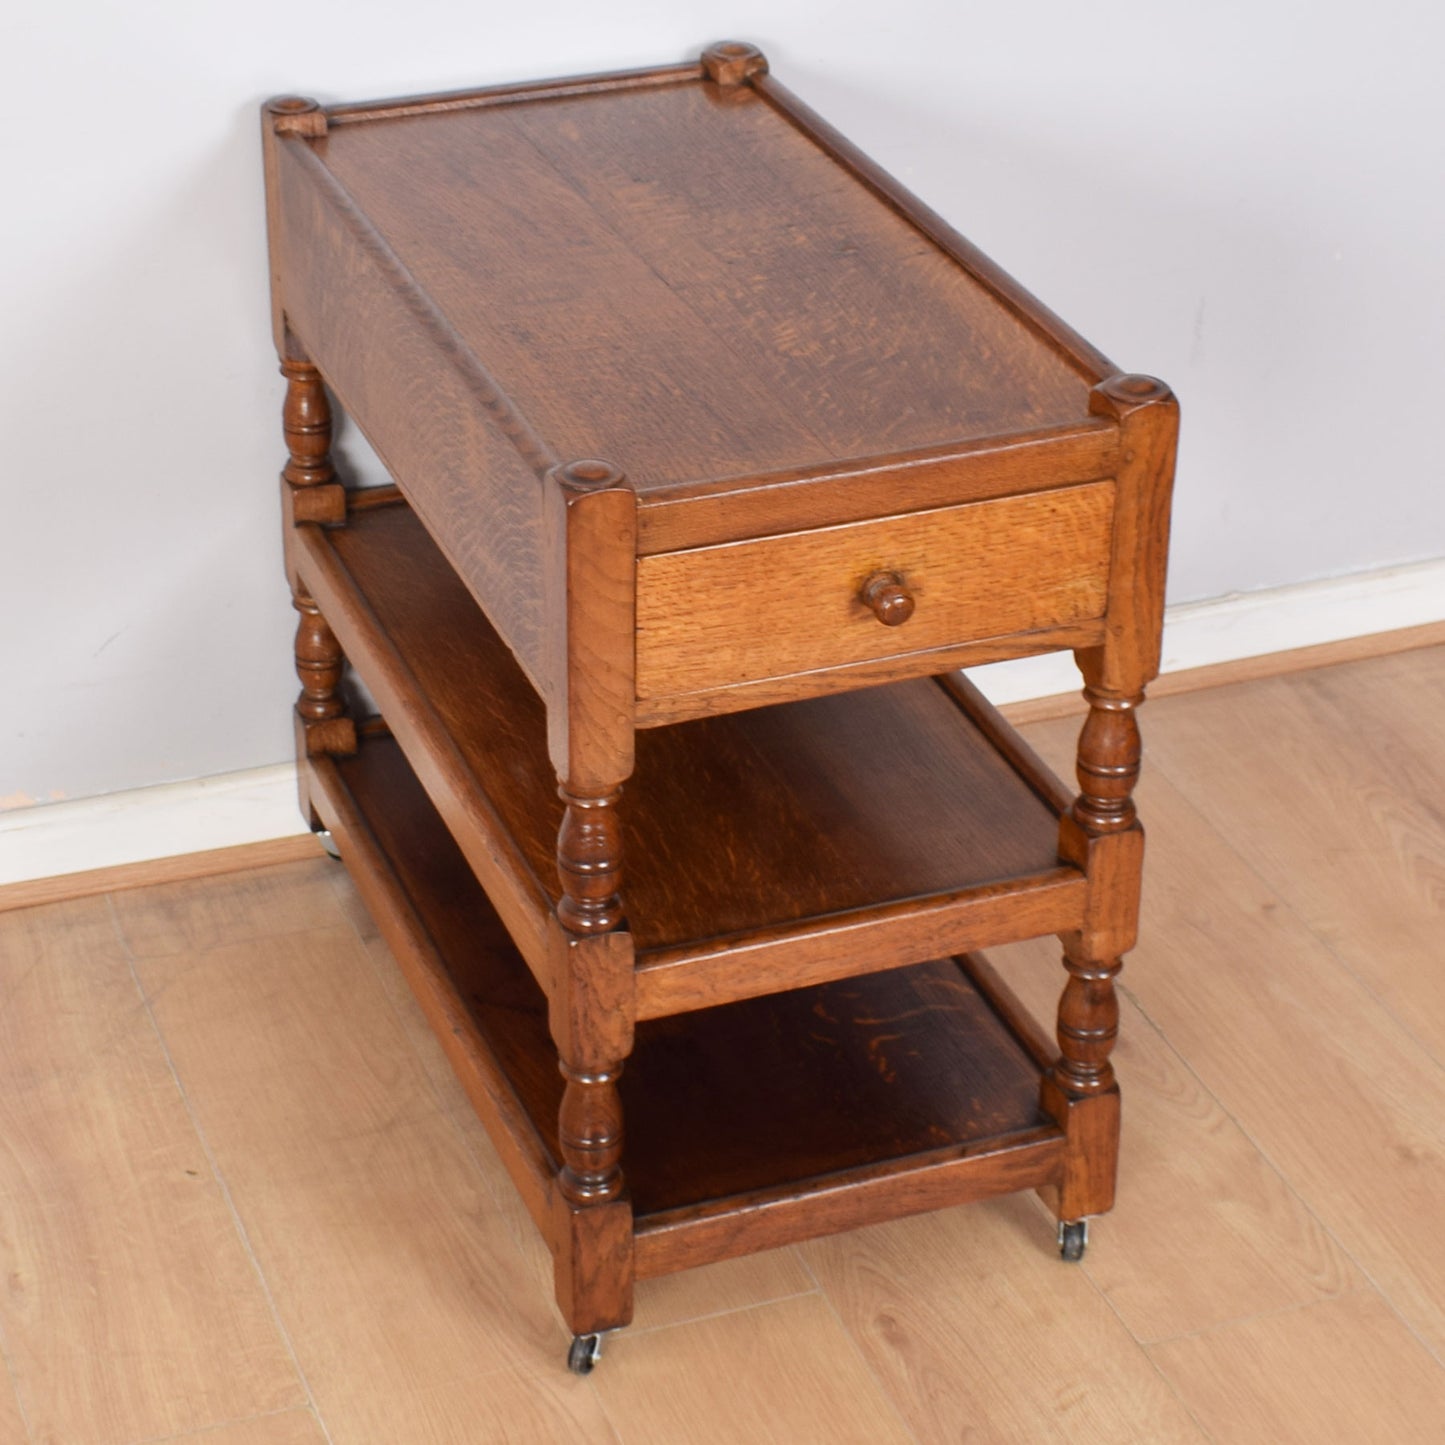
[1264, 1154]
[217, 1175]
[635, 1331]
[1144, 1351]
[1299, 1197]
[1268, 884]
[857, 1347]
[1302, 680]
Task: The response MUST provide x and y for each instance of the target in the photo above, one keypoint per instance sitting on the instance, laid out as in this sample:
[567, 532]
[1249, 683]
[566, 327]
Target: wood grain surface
[726, 509]
[1344, 1369]
[13, 1429]
[1082, 356]
[715, 616]
[665, 260]
[1360, 755]
[977, 1330]
[290, 1427]
[653, 712]
[428, 407]
[795, 1375]
[1204, 1230]
[126, 1277]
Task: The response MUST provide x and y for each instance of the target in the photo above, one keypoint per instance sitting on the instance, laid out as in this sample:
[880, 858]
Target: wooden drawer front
[775, 606]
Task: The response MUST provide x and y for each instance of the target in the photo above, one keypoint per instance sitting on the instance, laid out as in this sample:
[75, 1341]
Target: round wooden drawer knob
[890, 600]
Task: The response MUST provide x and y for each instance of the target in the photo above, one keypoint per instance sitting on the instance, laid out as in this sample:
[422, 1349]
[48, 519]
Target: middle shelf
[763, 850]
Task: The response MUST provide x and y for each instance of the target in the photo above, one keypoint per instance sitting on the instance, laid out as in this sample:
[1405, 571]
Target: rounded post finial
[296, 115]
[589, 474]
[1126, 391]
[733, 62]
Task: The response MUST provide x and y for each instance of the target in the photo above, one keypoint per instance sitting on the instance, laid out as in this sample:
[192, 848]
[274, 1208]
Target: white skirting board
[144, 823]
[1253, 624]
[260, 804]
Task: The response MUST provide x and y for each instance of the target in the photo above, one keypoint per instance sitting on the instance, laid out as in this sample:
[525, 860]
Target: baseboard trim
[244, 820]
[214, 819]
[1242, 669]
[60, 888]
[1249, 627]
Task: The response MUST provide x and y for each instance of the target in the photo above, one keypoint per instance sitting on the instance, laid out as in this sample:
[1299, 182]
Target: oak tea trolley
[716, 455]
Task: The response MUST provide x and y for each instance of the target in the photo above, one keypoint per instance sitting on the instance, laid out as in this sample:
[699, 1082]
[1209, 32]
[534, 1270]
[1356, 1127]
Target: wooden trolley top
[633, 262]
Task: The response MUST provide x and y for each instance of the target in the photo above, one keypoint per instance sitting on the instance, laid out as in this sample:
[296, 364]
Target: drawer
[715, 617]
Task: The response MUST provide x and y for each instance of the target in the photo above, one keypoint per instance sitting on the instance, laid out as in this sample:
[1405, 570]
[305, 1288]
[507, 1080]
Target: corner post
[310, 493]
[1101, 833]
[730, 63]
[282, 115]
[591, 538]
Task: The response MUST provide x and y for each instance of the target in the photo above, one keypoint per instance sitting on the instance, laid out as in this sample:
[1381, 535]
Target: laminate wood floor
[243, 1202]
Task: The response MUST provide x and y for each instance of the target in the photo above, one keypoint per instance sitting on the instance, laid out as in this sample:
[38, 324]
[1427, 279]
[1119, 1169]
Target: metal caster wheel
[585, 1352]
[324, 837]
[1073, 1239]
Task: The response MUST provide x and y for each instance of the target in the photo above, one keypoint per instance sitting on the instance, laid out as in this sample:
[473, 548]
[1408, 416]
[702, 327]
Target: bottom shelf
[748, 1124]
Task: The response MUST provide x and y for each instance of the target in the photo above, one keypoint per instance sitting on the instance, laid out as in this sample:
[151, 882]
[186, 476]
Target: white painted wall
[1246, 198]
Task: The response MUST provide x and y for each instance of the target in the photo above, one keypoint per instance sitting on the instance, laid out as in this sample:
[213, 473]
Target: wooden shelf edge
[684, 1238]
[672, 981]
[506, 1121]
[514, 890]
[666, 708]
[513, 93]
[702, 513]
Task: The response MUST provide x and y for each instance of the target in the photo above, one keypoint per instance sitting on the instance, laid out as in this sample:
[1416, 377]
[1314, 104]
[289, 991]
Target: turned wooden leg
[593, 1264]
[1108, 762]
[591, 1018]
[590, 1127]
[310, 491]
[590, 527]
[589, 862]
[306, 420]
[1088, 1026]
[589, 1130]
[311, 494]
[1102, 834]
[322, 723]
